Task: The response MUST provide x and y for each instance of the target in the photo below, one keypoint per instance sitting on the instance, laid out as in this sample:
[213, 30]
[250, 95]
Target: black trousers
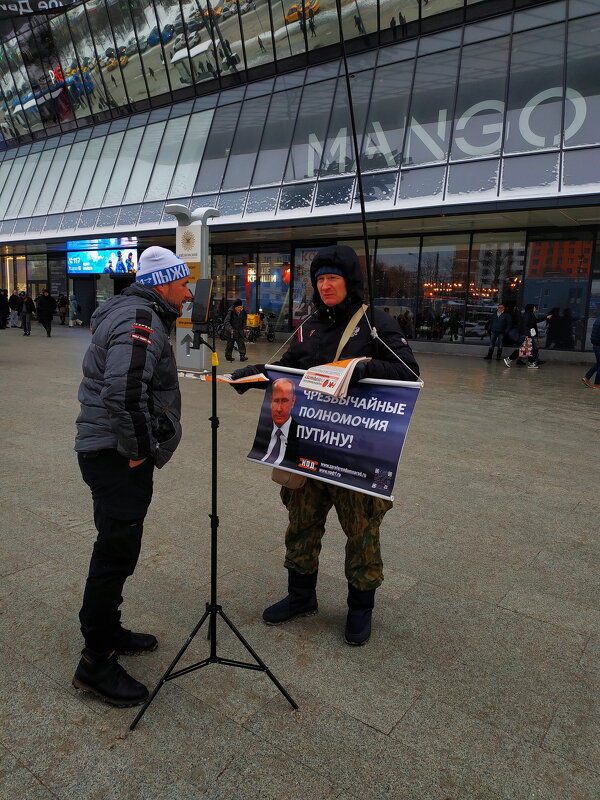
[121, 496]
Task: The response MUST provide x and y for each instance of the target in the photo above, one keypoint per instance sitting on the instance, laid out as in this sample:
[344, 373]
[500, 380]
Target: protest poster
[355, 441]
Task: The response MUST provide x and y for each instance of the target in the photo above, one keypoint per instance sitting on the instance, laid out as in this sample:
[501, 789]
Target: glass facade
[495, 111]
[103, 58]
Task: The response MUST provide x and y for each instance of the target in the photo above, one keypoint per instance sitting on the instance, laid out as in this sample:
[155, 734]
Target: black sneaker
[243, 358]
[103, 676]
[129, 643]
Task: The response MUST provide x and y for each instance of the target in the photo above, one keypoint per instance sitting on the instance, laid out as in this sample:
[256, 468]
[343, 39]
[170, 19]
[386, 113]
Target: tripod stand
[213, 609]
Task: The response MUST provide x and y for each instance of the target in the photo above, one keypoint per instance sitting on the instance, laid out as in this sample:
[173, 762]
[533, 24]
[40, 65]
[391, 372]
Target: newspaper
[331, 379]
[226, 378]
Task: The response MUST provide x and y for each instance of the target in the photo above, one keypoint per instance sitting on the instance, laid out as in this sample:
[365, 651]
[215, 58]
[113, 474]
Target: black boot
[131, 644]
[358, 622]
[101, 674]
[499, 355]
[300, 602]
[489, 354]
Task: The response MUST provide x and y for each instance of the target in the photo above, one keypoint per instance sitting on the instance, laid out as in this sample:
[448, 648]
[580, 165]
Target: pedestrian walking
[336, 278]
[402, 22]
[234, 324]
[74, 312]
[26, 309]
[63, 306]
[595, 369]
[263, 49]
[152, 75]
[497, 326]
[312, 27]
[13, 303]
[528, 338]
[128, 424]
[46, 306]
[4, 308]
[393, 27]
[359, 23]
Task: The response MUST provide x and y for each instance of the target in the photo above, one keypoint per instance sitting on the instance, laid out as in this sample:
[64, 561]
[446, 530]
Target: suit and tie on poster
[355, 441]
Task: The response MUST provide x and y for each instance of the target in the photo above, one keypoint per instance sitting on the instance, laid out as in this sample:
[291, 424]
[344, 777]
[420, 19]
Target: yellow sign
[184, 322]
[194, 271]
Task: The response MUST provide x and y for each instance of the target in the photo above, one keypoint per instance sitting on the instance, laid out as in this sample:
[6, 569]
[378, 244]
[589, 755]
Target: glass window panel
[557, 279]
[23, 184]
[151, 212]
[5, 168]
[378, 188]
[107, 217]
[37, 182]
[69, 221]
[397, 52]
[166, 160]
[310, 131]
[88, 219]
[479, 114]
[530, 175]
[535, 17]
[241, 279]
[52, 179]
[322, 71]
[274, 285]
[535, 91]
[202, 201]
[36, 224]
[288, 31]
[217, 148]
[416, 185]
[386, 121]
[144, 163]
[277, 136]
[85, 174]
[7, 226]
[290, 80]
[428, 135]
[52, 222]
[21, 226]
[443, 277]
[234, 95]
[338, 152]
[246, 143]
[578, 8]
[334, 193]
[123, 165]
[104, 168]
[358, 19]
[67, 179]
[232, 204]
[488, 29]
[582, 107]
[128, 215]
[475, 177]
[10, 182]
[298, 196]
[262, 201]
[228, 39]
[440, 41]
[395, 284]
[427, 10]
[581, 170]
[495, 275]
[256, 25]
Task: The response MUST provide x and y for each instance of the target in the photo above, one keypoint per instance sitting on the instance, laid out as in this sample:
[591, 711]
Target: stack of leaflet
[332, 379]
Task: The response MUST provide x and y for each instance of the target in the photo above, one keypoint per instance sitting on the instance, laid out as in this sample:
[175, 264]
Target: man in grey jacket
[128, 424]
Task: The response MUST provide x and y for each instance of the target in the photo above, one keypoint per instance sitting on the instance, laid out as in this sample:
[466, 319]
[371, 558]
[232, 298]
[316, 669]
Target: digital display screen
[98, 262]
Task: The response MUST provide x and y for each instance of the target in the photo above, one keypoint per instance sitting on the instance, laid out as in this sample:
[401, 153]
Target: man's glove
[360, 371]
[245, 372]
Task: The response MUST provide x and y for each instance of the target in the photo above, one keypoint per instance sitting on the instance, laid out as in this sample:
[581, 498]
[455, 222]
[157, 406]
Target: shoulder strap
[348, 331]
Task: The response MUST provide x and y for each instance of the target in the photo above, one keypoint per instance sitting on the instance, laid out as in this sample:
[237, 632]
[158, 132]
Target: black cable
[359, 183]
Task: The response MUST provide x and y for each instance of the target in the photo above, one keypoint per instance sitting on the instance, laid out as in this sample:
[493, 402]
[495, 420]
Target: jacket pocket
[168, 436]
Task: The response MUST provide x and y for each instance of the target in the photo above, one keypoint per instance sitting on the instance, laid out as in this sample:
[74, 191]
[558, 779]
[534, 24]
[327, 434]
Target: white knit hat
[158, 265]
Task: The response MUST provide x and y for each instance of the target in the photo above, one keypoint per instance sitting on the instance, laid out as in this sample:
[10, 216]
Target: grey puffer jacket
[129, 394]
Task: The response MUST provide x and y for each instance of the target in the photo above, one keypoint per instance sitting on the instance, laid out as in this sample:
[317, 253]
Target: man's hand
[133, 464]
[245, 372]
[359, 372]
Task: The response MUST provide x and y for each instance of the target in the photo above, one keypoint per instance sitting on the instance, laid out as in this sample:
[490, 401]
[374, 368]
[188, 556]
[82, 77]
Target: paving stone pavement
[480, 681]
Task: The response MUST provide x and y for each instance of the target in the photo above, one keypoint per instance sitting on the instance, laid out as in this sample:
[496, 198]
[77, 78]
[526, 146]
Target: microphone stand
[213, 609]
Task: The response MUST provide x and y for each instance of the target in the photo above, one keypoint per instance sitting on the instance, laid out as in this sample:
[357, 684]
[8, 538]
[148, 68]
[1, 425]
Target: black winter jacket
[46, 306]
[235, 323]
[25, 306]
[129, 394]
[595, 335]
[317, 339]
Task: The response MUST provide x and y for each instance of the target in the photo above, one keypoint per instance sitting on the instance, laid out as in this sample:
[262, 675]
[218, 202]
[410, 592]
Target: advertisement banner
[355, 441]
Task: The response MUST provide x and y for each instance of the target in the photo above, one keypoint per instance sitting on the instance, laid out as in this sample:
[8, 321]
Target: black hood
[342, 258]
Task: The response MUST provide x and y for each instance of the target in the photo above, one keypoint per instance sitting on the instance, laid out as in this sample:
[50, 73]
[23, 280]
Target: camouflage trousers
[360, 516]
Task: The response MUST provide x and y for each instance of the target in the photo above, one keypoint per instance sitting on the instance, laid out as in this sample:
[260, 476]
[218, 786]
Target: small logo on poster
[305, 463]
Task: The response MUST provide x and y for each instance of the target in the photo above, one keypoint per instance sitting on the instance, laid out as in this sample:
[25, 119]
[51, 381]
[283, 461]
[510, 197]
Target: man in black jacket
[497, 326]
[235, 322]
[46, 307]
[25, 308]
[128, 424]
[337, 280]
